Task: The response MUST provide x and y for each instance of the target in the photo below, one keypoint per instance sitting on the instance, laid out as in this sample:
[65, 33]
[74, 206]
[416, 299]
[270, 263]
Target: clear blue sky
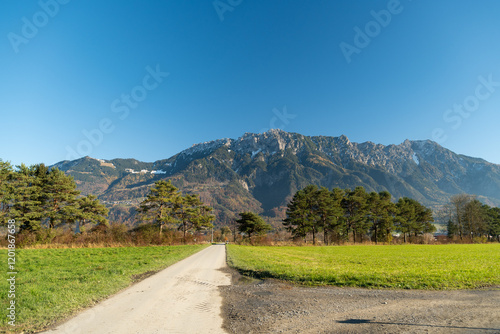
[245, 66]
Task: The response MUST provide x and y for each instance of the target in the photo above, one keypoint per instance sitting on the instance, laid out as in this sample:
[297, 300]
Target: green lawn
[401, 267]
[52, 284]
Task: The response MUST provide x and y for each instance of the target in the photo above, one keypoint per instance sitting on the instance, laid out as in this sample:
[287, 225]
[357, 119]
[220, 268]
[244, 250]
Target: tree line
[40, 198]
[468, 218]
[354, 215]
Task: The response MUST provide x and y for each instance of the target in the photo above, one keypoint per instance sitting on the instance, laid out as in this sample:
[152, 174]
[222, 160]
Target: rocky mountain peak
[222, 171]
[272, 141]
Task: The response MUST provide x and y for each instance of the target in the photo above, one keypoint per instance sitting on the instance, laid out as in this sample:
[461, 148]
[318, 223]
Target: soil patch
[140, 277]
[270, 306]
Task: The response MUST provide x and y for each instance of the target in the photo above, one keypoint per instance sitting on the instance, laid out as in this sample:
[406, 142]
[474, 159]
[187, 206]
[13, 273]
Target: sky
[148, 79]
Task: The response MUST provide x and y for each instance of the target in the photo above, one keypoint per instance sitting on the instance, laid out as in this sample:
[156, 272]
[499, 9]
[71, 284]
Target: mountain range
[261, 172]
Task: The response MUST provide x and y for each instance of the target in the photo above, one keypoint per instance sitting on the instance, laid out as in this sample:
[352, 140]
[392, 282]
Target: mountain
[261, 172]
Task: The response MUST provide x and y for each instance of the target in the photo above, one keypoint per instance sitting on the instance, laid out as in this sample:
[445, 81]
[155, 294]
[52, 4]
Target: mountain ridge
[260, 172]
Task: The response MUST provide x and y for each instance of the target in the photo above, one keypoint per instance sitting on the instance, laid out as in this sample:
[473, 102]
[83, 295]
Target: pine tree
[161, 204]
[252, 224]
[204, 217]
[413, 218]
[6, 190]
[27, 199]
[58, 195]
[302, 213]
[380, 213]
[355, 206]
[328, 211]
[90, 210]
[493, 227]
[335, 225]
[405, 217]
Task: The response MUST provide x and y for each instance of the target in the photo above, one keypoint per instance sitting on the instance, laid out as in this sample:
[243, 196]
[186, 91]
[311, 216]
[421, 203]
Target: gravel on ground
[271, 306]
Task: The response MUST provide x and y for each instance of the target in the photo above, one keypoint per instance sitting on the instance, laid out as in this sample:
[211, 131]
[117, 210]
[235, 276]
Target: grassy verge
[402, 267]
[52, 284]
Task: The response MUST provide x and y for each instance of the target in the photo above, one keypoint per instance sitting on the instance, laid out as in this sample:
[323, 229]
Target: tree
[457, 206]
[334, 226]
[252, 224]
[58, 195]
[493, 222]
[355, 206]
[90, 210]
[6, 191]
[225, 231]
[474, 218]
[381, 212]
[327, 211]
[302, 213]
[413, 218]
[192, 214]
[204, 218]
[468, 216]
[27, 199]
[161, 204]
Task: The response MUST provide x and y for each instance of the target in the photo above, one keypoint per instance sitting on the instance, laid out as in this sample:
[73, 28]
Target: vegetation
[251, 224]
[76, 278]
[45, 204]
[342, 214]
[38, 197]
[401, 267]
[468, 218]
[165, 205]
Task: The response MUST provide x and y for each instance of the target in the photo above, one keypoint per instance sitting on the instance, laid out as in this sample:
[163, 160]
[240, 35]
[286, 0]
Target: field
[54, 283]
[434, 267]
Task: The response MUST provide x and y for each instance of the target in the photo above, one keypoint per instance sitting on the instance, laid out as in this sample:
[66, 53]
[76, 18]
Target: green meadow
[434, 267]
[52, 284]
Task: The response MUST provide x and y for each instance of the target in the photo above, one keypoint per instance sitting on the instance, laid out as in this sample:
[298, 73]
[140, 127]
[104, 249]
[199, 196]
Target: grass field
[54, 283]
[401, 267]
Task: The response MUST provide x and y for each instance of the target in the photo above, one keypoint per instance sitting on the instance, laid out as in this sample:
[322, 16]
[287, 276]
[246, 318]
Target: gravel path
[270, 306]
[183, 298]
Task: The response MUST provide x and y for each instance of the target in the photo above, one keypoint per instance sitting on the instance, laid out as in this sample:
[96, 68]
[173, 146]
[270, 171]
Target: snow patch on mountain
[415, 158]
[254, 153]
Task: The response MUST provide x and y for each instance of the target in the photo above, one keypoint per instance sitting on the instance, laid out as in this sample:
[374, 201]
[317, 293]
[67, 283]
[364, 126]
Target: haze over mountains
[260, 172]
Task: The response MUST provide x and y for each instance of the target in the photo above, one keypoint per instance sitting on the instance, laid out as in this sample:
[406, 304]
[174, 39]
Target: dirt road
[183, 298]
[276, 307]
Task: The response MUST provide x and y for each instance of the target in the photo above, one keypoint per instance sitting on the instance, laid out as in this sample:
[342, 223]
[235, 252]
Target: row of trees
[40, 197]
[345, 214]
[467, 217]
[165, 205]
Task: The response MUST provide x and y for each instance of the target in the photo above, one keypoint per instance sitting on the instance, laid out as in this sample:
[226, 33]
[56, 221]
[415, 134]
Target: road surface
[182, 298]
